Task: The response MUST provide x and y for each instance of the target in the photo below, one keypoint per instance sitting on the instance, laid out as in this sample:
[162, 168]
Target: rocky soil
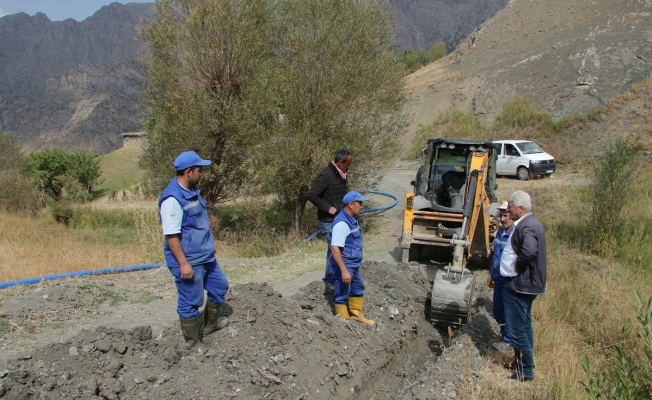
[117, 337]
[275, 347]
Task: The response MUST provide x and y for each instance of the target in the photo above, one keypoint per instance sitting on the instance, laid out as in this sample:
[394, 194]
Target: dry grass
[587, 301]
[37, 247]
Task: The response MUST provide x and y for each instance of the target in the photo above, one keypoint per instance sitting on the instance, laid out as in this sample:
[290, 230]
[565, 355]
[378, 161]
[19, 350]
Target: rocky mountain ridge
[73, 84]
[76, 84]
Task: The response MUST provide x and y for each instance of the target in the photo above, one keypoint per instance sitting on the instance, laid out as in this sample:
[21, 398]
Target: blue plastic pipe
[131, 268]
[104, 271]
[377, 209]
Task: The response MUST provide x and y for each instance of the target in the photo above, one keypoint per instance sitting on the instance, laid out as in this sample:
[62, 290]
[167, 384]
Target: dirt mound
[274, 348]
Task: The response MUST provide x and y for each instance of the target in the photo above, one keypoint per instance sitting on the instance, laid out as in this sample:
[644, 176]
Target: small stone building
[133, 139]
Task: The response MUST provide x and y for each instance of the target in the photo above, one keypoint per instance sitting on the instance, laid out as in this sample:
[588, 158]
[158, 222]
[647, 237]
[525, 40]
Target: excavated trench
[274, 348]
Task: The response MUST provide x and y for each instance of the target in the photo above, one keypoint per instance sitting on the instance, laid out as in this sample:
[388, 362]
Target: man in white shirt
[190, 252]
[523, 266]
[346, 246]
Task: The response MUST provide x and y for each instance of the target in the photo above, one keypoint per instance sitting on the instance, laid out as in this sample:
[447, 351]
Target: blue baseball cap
[353, 196]
[189, 159]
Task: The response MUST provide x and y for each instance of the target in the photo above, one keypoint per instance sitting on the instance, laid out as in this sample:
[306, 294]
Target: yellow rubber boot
[355, 308]
[342, 311]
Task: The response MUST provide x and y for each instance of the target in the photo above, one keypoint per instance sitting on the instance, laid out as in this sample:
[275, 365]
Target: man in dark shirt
[327, 191]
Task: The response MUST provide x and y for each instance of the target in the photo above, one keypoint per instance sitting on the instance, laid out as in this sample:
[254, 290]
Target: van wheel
[523, 173]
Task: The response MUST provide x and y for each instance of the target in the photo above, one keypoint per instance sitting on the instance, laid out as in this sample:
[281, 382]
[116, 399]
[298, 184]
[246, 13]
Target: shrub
[18, 195]
[615, 174]
[255, 228]
[456, 124]
[62, 212]
[11, 156]
[57, 172]
[522, 112]
[415, 59]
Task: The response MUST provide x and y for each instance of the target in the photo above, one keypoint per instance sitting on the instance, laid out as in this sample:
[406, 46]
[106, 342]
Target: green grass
[102, 294]
[114, 226]
[145, 297]
[120, 169]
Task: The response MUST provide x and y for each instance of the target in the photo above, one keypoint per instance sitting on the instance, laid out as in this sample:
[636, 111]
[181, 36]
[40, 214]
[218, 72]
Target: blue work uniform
[499, 243]
[199, 248]
[352, 257]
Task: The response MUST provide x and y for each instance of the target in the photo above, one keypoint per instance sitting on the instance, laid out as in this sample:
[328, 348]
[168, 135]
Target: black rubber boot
[213, 318]
[190, 328]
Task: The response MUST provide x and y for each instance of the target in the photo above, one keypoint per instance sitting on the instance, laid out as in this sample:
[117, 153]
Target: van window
[529, 148]
[510, 150]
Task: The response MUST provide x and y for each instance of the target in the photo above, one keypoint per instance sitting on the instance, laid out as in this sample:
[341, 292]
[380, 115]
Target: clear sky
[58, 10]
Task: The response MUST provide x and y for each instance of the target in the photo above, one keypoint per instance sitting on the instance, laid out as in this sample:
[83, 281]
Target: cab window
[510, 150]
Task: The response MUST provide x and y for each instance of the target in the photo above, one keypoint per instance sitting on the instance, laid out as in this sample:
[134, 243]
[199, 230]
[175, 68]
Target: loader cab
[442, 178]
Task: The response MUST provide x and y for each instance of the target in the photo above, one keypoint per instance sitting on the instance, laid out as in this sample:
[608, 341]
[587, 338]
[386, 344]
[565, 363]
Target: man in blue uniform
[190, 252]
[346, 259]
[503, 235]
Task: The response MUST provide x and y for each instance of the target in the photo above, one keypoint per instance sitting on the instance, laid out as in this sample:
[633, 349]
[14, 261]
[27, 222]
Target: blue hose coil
[377, 209]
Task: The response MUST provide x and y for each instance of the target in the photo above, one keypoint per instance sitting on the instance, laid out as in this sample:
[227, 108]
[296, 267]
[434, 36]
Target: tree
[207, 88]
[55, 170]
[340, 86]
[84, 166]
[269, 91]
[47, 169]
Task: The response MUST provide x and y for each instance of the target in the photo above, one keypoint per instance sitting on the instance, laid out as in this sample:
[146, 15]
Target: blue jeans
[342, 291]
[499, 308]
[207, 276]
[325, 229]
[518, 324]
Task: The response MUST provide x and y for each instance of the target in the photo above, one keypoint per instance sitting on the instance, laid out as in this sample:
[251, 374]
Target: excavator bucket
[452, 298]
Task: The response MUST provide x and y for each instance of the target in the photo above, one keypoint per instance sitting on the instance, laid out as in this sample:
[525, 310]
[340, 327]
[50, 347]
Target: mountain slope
[420, 24]
[76, 84]
[73, 84]
[568, 56]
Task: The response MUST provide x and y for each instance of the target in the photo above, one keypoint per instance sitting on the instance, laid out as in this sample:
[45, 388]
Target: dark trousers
[499, 308]
[325, 229]
[518, 324]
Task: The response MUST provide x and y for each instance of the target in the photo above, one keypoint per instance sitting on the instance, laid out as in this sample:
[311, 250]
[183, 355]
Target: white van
[523, 159]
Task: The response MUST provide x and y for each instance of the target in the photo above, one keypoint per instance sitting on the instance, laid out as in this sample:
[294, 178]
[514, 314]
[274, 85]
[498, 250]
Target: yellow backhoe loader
[452, 207]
